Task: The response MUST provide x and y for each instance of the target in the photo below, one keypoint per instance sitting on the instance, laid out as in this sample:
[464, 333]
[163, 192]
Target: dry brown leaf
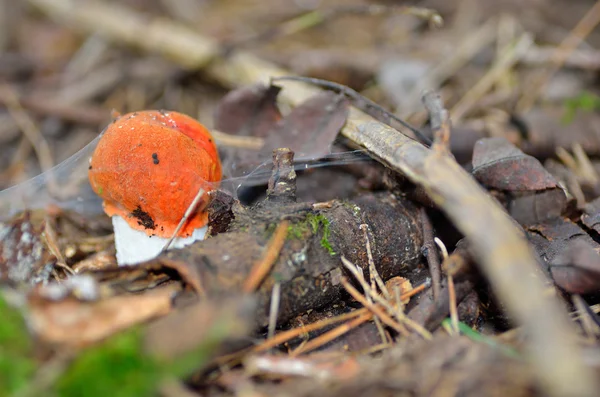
[75, 323]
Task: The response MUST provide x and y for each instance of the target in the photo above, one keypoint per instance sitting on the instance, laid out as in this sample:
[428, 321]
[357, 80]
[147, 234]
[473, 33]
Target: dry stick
[373, 275]
[390, 322]
[430, 253]
[466, 48]
[502, 252]
[393, 311]
[586, 169]
[439, 120]
[261, 268]
[590, 328]
[451, 290]
[585, 26]
[583, 58]
[360, 101]
[510, 56]
[319, 17]
[27, 127]
[274, 309]
[332, 335]
[52, 243]
[242, 142]
[296, 332]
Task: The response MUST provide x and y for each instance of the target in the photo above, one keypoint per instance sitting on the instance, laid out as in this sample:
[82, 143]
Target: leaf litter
[334, 328]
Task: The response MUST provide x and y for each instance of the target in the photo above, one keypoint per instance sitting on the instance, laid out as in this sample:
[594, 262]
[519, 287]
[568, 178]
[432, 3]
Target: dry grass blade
[296, 332]
[451, 290]
[241, 142]
[510, 55]
[373, 273]
[392, 311]
[467, 47]
[390, 322]
[566, 47]
[318, 17]
[52, 243]
[263, 266]
[504, 255]
[27, 126]
[274, 309]
[185, 217]
[332, 335]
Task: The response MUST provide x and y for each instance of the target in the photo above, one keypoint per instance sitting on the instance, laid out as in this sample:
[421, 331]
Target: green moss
[317, 221]
[297, 230]
[586, 101]
[312, 224]
[16, 364]
[117, 367]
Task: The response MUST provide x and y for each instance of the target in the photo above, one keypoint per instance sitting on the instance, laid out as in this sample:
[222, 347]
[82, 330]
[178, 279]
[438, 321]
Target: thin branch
[261, 268]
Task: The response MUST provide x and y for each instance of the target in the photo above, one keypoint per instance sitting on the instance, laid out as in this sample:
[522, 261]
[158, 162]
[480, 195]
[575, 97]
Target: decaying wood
[308, 267]
[503, 253]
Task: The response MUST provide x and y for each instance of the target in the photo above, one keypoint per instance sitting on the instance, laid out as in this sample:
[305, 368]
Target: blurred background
[65, 65]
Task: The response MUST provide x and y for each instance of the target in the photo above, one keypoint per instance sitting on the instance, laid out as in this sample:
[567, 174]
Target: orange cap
[148, 167]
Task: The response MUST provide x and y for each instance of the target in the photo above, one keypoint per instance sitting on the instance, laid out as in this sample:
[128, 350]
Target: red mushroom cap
[148, 167]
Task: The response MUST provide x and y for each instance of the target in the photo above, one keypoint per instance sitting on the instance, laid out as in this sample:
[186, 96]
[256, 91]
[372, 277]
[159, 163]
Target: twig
[360, 101]
[242, 142]
[590, 328]
[401, 316]
[467, 47]
[261, 268]
[451, 290]
[332, 335]
[296, 332]
[510, 56]
[374, 309]
[373, 273]
[27, 126]
[188, 212]
[393, 311]
[320, 16]
[274, 308]
[431, 254]
[586, 59]
[439, 120]
[585, 26]
[52, 243]
[46, 106]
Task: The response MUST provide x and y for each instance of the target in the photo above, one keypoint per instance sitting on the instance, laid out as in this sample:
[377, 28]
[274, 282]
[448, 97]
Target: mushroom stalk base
[135, 246]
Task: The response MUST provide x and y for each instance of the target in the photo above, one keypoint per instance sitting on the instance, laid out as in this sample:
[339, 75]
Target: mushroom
[148, 167]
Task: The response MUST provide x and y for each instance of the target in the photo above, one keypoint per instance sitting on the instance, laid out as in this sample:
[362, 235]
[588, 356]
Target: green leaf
[479, 337]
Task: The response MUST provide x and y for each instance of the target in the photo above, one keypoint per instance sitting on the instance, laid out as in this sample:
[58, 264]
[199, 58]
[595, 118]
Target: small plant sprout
[153, 171]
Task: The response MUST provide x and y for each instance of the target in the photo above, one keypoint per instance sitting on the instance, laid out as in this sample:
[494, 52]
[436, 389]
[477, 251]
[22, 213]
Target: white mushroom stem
[135, 246]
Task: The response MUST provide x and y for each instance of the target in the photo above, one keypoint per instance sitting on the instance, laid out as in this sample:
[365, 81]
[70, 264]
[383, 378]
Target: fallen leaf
[310, 129]
[500, 165]
[77, 323]
[248, 111]
[577, 268]
[532, 194]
